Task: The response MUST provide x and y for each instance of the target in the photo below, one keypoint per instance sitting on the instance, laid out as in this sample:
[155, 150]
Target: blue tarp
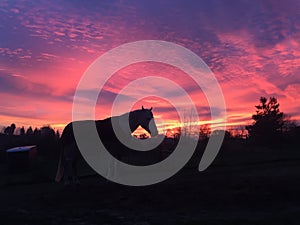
[21, 149]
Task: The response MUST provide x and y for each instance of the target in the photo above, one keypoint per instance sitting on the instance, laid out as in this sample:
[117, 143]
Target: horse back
[104, 129]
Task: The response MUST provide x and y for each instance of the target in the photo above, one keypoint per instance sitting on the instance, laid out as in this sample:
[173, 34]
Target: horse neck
[133, 120]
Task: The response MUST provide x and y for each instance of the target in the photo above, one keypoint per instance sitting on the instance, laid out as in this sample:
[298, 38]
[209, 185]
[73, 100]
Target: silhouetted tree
[22, 131]
[174, 132]
[143, 136]
[268, 124]
[6, 130]
[29, 131]
[10, 129]
[48, 141]
[204, 132]
[36, 132]
[47, 131]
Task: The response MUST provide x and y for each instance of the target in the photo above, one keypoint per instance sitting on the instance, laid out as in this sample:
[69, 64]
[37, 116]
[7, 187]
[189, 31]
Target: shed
[21, 158]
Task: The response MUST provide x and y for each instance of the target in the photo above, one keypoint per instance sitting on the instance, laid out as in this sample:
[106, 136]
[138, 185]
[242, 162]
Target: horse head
[145, 120]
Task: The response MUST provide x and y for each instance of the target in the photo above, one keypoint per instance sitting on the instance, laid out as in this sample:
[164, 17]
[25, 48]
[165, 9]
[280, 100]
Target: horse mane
[131, 113]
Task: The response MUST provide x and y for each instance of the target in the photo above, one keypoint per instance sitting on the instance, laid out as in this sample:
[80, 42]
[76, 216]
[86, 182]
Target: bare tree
[190, 126]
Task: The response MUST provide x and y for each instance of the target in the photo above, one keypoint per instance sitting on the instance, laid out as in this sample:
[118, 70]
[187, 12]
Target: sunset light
[143, 112]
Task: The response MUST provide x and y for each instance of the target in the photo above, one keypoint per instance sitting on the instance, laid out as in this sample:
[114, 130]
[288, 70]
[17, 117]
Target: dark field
[243, 186]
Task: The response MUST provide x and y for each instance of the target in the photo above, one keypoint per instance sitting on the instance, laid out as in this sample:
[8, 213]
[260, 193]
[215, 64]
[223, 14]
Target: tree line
[45, 130]
[270, 127]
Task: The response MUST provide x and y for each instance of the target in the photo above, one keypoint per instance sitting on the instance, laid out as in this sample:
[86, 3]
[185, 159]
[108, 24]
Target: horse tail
[61, 164]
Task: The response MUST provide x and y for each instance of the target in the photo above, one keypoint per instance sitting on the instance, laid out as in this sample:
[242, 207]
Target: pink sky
[252, 48]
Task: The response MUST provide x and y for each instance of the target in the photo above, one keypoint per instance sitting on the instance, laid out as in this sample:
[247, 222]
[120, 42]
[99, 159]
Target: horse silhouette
[70, 153]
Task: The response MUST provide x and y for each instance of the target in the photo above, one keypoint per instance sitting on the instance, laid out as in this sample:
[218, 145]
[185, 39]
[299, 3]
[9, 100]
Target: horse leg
[70, 164]
[61, 166]
[74, 172]
[111, 170]
[67, 172]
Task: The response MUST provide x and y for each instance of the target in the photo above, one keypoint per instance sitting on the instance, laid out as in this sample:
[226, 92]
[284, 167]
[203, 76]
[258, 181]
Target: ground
[242, 190]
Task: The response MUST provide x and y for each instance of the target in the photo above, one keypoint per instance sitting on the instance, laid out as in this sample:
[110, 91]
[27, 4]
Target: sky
[252, 48]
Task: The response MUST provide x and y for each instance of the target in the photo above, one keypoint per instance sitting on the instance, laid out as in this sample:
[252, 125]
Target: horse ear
[143, 107]
[151, 109]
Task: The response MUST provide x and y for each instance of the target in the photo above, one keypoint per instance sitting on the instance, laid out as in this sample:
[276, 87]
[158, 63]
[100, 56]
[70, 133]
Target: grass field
[243, 186]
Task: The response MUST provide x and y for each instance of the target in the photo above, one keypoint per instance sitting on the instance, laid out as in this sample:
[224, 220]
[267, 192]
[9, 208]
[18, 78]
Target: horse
[69, 150]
